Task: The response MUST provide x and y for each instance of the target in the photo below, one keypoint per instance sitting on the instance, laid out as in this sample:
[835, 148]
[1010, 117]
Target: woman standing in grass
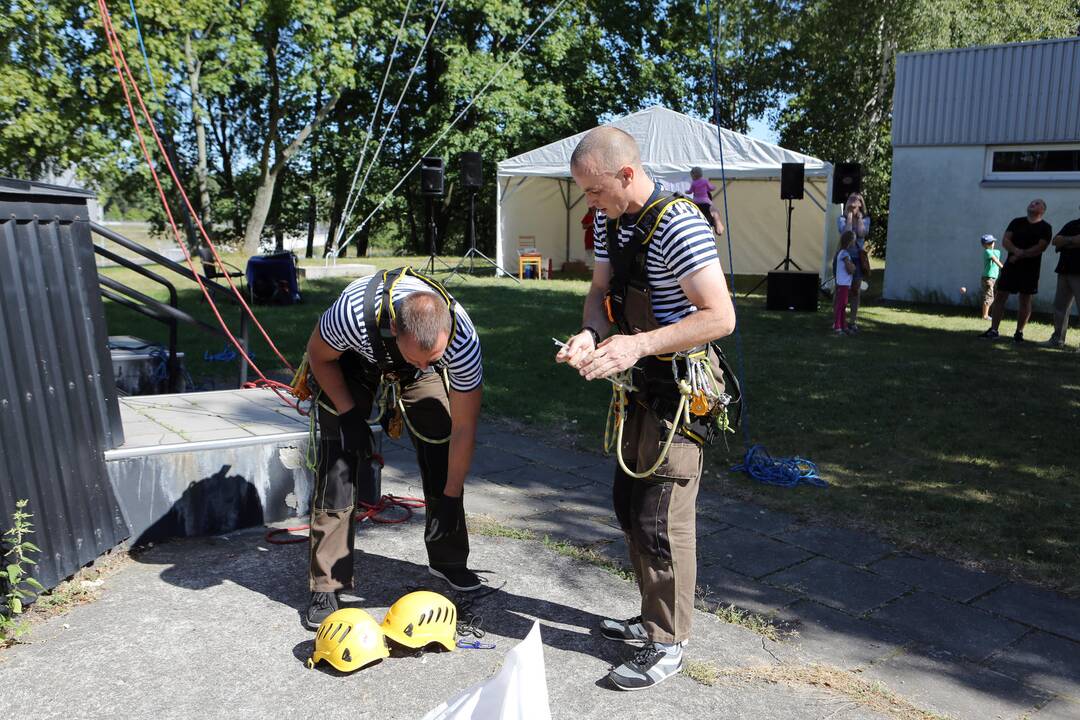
[857, 221]
[844, 269]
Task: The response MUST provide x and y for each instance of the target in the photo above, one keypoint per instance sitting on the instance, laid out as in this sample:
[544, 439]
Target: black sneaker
[458, 578]
[321, 606]
[630, 631]
[1018, 337]
[652, 664]
[990, 334]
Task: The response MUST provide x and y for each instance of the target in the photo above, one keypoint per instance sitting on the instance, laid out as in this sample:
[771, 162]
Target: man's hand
[613, 355]
[353, 430]
[1013, 258]
[577, 351]
[447, 518]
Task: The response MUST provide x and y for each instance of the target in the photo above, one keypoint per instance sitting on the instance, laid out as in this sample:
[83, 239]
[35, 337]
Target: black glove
[352, 426]
[447, 520]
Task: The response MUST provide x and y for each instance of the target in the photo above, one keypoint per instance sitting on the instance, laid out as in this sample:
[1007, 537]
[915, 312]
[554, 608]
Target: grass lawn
[931, 437]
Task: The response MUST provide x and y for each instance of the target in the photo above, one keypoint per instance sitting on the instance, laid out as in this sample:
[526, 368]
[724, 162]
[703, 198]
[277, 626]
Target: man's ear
[627, 174]
[393, 328]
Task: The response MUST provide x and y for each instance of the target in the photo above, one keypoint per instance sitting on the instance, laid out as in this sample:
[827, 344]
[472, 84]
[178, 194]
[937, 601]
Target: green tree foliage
[265, 105]
[840, 70]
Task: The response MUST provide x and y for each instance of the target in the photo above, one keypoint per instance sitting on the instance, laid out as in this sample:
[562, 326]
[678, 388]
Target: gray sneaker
[629, 631]
[1052, 343]
[652, 664]
[321, 606]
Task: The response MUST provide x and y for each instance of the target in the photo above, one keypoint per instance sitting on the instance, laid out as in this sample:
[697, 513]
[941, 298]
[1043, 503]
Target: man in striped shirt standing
[671, 296]
[401, 327]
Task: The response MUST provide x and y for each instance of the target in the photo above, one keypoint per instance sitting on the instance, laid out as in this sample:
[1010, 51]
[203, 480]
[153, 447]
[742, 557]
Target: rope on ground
[377, 513]
[783, 472]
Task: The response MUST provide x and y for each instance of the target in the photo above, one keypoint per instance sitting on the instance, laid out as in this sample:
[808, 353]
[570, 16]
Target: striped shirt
[682, 244]
[342, 327]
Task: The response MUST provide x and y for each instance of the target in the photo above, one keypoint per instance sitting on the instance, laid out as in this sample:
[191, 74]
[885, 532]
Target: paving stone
[487, 498]
[537, 479]
[748, 516]
[724, 587]
[945, 684]
[574, 527]
[1057, 709]
[936, 575]
[487, 460]
[848, 546]
[1041, 608]
[602, 473]
[585, 500]
[837, 585]
[831, 637]
[747, 552]
[564, 459]
[946, 624]
[1045, 661]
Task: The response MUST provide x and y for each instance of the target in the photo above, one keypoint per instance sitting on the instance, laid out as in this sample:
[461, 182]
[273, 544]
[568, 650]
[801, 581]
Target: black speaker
[791, 181]
[472, 175]
[790, 290]
[846, 179]
[431, 176]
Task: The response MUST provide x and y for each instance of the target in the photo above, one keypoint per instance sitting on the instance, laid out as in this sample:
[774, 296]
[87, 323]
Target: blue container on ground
[272, 279]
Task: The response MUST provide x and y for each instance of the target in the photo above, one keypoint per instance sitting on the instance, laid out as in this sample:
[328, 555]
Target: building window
[1033, 162]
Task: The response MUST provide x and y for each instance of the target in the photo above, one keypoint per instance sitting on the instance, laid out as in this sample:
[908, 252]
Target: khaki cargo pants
[658, 516]
[337, 477]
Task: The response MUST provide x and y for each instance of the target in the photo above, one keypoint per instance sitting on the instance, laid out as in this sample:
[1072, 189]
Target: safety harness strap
[377, 320]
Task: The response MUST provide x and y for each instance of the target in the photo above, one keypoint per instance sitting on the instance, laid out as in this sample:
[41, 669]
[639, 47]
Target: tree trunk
[194, 68]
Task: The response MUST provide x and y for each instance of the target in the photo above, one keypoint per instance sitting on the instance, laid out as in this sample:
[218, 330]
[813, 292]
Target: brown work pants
[339, 473]
[658, 516]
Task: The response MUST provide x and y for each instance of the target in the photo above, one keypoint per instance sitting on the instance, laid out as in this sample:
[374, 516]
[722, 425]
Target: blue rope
[757, 462]
[146, 60]
[226, 355]
[784, 472]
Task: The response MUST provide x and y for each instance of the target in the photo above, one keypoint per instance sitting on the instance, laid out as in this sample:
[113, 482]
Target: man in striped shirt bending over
[404, 329]
[661, 284]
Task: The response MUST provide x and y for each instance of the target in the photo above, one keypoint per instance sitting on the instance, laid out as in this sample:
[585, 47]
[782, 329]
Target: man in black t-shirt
[1067, 244]
[1025, 240]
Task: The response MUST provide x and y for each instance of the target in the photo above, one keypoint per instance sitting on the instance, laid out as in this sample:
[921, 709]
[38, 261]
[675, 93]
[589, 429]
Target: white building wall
[938, 211]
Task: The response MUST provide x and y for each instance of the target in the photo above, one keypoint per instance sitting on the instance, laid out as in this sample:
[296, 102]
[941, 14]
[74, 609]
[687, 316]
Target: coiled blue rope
[784, 472]
[757, 463]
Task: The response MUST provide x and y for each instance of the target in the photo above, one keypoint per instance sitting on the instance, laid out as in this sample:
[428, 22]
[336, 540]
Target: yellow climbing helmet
[348, 639]
[420, 618]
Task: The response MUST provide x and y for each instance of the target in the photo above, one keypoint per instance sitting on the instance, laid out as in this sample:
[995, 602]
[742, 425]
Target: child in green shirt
[991, 267]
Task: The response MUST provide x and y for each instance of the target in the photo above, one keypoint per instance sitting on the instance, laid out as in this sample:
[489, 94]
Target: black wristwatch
[591, 331]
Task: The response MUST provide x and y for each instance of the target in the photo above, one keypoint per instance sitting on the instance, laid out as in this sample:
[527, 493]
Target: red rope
[125, 75]
[370, 512]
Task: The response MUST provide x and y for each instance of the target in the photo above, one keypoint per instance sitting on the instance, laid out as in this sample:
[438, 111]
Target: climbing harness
[701, 413]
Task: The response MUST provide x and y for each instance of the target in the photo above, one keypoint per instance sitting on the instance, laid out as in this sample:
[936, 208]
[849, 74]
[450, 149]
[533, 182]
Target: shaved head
[605, 150]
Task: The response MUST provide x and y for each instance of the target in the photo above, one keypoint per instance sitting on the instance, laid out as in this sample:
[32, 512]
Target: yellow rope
[616, 421]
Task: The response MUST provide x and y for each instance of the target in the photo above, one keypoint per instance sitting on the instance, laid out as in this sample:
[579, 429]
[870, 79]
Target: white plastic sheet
[517, 692]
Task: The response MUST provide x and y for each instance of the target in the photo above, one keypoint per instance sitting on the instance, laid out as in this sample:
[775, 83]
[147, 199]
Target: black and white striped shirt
[682, 244]
[342, 327]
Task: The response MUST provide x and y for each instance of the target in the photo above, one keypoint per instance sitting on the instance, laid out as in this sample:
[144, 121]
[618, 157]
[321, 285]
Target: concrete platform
[207, 463]
[349, 270]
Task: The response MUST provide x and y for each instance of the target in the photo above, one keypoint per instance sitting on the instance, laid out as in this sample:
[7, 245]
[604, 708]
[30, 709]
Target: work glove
[352, 426]
[447, 520]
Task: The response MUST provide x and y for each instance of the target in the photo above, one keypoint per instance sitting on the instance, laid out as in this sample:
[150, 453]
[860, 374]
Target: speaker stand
[787, 262]
[472, 253]
[432, 232]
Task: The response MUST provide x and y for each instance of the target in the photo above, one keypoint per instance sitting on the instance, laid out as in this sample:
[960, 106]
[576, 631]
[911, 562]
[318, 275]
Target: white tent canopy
[539, 205]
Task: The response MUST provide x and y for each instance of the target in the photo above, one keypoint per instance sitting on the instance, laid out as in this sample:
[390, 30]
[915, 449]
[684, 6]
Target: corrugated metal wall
[58, 405]
[1006, 94]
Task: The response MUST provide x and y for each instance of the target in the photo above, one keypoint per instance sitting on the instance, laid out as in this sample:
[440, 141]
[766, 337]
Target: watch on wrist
[591, 331]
